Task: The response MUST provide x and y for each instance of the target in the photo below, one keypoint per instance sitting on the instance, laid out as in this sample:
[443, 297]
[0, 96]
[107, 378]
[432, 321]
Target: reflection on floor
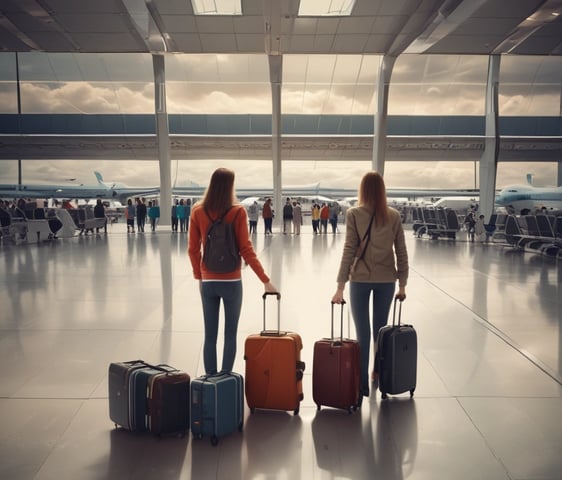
[488, 403]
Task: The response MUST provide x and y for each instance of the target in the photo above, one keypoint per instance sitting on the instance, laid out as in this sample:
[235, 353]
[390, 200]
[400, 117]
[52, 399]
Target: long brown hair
[372, 194]
[219, 196]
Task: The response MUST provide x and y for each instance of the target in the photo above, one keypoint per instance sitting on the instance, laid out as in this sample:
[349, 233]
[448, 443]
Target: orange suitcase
[274, 369]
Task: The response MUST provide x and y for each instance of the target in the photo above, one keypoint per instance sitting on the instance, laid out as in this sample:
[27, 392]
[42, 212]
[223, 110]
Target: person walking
[153, 214]
[297, 218]
[182, 216]
[315, 218]
[253, 214]
[324, 216]
[141, 214]
[174, 216]
[267, 214]
[99, 212]
[287, 217]
[372, 276]
[219, 202]
[130, 213]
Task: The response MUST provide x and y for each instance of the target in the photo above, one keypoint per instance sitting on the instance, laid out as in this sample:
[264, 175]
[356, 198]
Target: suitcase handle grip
[277, 294]
[341, 323]
[396, 300]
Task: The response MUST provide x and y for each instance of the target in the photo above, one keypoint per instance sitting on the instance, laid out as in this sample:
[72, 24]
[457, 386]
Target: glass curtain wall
[530, 86]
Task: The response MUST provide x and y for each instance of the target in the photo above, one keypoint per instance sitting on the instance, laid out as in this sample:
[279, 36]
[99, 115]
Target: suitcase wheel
[252, 410]
[299, 375]
[384, 396]
[214, 440]
[296, 411]
[318, 406]
[412, 392]
[350, 410]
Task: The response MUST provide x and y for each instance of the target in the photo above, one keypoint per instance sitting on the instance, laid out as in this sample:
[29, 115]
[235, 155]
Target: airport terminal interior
[440, 94]
[488, 402]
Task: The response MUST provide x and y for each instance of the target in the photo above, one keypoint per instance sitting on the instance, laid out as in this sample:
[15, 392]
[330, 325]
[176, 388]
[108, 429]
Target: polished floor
[488, 403]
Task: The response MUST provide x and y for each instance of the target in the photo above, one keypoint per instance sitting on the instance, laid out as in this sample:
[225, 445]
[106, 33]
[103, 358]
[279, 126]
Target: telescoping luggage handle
[397, 300]
[278, 332]
[341, 323]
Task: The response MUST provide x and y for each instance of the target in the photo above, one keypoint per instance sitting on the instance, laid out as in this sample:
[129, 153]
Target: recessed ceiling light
[324, 8]
[217, 7]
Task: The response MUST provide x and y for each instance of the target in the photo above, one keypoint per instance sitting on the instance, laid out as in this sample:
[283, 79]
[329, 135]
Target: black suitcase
[396, 358]
[119, 381]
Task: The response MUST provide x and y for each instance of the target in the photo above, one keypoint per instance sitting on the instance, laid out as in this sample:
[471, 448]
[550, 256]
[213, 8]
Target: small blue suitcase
[217, 405]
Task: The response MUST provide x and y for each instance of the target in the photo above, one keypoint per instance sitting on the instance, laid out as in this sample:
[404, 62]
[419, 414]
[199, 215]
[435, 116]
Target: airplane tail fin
[530, 178]
[99, 177]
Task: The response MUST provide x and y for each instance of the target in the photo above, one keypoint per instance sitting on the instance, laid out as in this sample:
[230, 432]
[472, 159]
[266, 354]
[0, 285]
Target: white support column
[162, 138]
[489, 159]
[276, 80]
[381, 113]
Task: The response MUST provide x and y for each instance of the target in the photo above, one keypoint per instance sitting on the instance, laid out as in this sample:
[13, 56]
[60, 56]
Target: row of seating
[35, 224]
[435, 222]
[537, 233]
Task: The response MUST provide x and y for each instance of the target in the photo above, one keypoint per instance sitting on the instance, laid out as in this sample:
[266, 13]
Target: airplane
[528, 198]
[104, 190]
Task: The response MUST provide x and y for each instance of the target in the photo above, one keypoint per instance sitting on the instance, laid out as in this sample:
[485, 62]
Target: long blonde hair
[372, 194]
[219, 196]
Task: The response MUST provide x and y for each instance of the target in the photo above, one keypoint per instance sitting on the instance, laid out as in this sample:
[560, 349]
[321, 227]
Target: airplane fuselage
[526, 197]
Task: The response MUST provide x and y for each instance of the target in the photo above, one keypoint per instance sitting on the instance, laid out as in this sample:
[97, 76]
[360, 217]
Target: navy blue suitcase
[217, 405]
[396, 357]
[118, 387]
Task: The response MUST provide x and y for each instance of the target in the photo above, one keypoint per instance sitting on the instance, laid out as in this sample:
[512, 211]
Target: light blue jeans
[359, 295]
[211, 295]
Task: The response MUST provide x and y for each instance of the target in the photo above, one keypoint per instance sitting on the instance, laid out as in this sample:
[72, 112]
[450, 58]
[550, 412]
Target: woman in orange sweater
[219, 201]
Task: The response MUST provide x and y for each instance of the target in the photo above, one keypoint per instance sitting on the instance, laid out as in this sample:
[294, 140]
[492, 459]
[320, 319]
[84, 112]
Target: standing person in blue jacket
[181, 216]
[153, 214]
[374, 277]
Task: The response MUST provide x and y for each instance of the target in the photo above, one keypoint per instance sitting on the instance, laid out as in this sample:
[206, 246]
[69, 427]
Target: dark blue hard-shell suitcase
[217, 405]
[118, 386]
[396, 357]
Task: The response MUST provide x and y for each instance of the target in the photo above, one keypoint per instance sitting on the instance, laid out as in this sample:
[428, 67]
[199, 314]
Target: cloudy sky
[224, 84]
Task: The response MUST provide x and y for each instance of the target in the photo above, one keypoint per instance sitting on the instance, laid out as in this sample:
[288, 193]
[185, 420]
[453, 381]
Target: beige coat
[386, 258]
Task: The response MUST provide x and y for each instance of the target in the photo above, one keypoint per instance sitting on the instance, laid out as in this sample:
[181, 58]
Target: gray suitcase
[396, 358]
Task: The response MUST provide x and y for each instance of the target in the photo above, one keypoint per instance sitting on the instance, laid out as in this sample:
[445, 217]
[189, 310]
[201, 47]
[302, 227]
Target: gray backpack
[221, 253]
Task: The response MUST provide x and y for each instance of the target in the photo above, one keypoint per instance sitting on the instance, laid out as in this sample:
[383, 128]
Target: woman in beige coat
[374, 276]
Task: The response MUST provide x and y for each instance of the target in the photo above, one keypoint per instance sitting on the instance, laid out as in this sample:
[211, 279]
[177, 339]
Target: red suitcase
[335, 371]
[169, 402]
[274, 369]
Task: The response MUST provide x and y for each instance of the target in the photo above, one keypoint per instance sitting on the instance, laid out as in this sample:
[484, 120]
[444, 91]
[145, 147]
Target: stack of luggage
[149, 398]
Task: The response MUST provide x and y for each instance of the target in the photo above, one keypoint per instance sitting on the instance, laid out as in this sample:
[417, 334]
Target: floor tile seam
[55, 443]
[483, 437]
[500, 334]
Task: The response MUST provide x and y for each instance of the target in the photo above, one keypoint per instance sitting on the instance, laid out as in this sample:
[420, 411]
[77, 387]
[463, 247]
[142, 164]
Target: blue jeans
[211, 295]
[359, 295]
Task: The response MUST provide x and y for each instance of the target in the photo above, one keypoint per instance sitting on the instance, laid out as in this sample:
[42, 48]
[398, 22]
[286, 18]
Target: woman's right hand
[270, 288]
